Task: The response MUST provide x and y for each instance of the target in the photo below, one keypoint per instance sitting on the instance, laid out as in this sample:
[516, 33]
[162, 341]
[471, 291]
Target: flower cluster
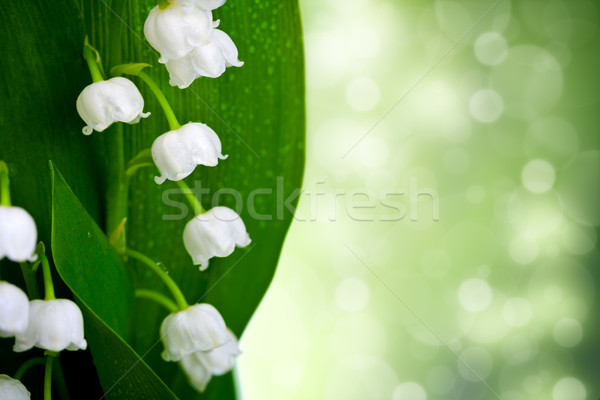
[189, 44]
[199, 339]
[51, 324]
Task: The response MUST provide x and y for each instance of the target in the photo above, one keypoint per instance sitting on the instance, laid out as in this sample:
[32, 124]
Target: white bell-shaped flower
[54, 325]
[210, 60]
[178, 152]
[214, 234]
[18, 234]
[114, 100]
[202, 365]
[12, 389]
[14, 310]
[198, 328]
[175, 30]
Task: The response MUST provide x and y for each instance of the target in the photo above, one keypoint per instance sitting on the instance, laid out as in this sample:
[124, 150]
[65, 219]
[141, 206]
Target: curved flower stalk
[12, 389]
[214, 233]
[197, 328]
[202, 365]
[105, 102]
[190, 46]
[178, 152]
[14, 310]
[54, 325]
[18, 234]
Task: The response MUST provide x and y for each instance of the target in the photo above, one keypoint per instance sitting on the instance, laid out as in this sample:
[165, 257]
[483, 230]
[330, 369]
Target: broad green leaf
[86, 261]
[99, 281]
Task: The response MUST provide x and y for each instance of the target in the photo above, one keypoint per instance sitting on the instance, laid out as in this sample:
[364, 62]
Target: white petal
[18, 234]
[208, 60]
[197, 373]
[214, 234]
[198, 328]
[181, 71]
[228, 49]
[54, 325]
[174, 32]
[12, 389]
[178, 152]
[14, 310]
[102, 103]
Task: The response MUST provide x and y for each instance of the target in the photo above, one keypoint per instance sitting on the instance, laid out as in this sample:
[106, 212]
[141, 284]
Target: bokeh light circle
[569, 388]
[568, 332]
[491, 48]
[409, 391]
[474, 295]
[538, 176]
[486, 106]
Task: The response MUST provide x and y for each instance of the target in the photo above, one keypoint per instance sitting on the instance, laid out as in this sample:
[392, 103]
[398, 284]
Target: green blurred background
[488, 113]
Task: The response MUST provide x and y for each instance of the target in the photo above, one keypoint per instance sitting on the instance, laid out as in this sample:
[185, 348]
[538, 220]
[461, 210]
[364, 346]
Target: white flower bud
[198, 328]
[202, 365]
[175, 31]
[214, 234]
[14, 310]
[104, 102]
[178, 152]
[54, 325]
[12, 389]
[18, 234]
[210, 60]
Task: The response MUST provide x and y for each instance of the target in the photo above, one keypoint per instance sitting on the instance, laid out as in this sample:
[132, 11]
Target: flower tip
[159, 179]
[87, 130]
[145, 115]
[223, 157]
[33, 258]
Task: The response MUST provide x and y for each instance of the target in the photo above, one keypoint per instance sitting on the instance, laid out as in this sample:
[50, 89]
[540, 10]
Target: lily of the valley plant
[195, 336]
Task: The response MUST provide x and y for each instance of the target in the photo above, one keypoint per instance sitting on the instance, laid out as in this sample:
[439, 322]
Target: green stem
[28, 364]
[117, 191]
[162, 4]
[4, 185]
[48, 286]
[59, 381]
[48, 377]
[162, 100]
[30, 281]
[157, 297]
[90, 56]
[171, 285]
[189, 194]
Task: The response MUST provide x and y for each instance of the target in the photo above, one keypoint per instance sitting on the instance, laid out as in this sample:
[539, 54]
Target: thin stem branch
[158, 298]
[48, 285]
[91, 58]
[193, 200]
[4, 185]
[59, 381]
[48, 378]
[162, 100]
[182, 303]
[30, 281]
[28, 364]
